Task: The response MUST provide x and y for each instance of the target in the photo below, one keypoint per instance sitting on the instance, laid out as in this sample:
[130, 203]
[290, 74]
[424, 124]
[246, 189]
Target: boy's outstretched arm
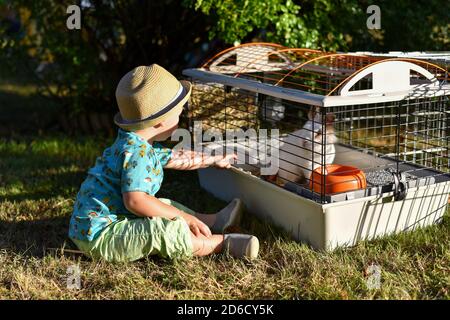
[192, 160]
[145, 205]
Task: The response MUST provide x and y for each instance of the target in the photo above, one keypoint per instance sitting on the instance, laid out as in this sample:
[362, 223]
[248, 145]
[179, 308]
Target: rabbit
[274, 111]
[296, 161]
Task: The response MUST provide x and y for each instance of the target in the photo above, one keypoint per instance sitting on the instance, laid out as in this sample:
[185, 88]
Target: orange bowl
[338, 178]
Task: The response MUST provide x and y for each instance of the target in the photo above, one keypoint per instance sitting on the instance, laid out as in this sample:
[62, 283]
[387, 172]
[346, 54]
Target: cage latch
[399, 186]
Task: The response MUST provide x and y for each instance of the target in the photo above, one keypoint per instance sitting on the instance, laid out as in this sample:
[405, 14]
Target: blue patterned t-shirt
[129, 164]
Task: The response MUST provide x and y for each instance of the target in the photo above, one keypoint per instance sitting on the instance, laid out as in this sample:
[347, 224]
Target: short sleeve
[164, 154]
[136, 174]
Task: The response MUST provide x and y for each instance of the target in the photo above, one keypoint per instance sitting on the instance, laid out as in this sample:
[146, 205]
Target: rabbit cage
[355, 146]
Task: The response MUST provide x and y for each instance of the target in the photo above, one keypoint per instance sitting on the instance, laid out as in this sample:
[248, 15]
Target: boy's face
[167, 127]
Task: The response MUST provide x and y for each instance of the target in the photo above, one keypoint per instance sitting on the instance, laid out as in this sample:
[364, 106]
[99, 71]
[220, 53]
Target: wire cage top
[385, 114]
[322, 78]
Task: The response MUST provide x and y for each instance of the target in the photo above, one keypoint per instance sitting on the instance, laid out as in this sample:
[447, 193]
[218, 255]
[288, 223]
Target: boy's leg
[236, 244]
[203, 246]
[218, 222]
[178, 206]
[208, 219]
[133, 239]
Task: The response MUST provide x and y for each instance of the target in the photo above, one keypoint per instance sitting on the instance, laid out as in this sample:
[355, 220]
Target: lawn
[41, 173]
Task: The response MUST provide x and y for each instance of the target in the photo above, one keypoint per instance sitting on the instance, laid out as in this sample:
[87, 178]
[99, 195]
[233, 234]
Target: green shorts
[133, 239]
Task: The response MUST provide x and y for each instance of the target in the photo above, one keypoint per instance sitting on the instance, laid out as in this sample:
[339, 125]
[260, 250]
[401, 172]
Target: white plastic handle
[388, 76]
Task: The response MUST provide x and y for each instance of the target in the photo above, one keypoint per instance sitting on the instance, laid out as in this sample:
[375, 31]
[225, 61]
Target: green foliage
[83, 66]
[329, 24]
[309, 24]
[236, 19]
[412, 25]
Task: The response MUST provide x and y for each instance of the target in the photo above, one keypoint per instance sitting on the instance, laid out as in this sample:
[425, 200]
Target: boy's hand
[225, 162]
[198, 227]
[191, 160]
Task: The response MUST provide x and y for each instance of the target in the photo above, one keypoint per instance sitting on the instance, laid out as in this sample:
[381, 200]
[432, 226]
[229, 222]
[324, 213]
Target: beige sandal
[241, 245]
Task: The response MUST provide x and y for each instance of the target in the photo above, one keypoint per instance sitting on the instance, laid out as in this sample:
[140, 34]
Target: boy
[116, 214]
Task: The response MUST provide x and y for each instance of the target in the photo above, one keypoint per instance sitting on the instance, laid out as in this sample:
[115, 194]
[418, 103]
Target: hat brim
[174, 108]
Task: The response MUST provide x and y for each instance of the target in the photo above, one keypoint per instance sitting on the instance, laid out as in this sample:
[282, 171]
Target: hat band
[173, 103]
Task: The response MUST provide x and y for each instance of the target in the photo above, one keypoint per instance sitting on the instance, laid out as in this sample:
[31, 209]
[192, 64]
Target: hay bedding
[220, 110]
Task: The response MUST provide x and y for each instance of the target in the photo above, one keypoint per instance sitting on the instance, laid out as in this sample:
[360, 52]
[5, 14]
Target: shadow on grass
[46, 167]
[25, 113]
[33, 172]
[35, 237]
[43, 188]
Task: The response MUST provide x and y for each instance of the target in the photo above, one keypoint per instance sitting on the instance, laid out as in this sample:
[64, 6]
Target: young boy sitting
[117, 216]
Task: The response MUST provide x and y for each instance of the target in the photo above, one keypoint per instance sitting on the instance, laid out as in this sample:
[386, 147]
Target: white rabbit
[304, 150]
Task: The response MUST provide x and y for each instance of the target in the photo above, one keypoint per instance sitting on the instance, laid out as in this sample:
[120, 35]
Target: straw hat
[148, 95]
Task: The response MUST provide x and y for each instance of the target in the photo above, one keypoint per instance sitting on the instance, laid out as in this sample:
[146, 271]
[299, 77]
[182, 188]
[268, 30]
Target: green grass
[38, 182]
